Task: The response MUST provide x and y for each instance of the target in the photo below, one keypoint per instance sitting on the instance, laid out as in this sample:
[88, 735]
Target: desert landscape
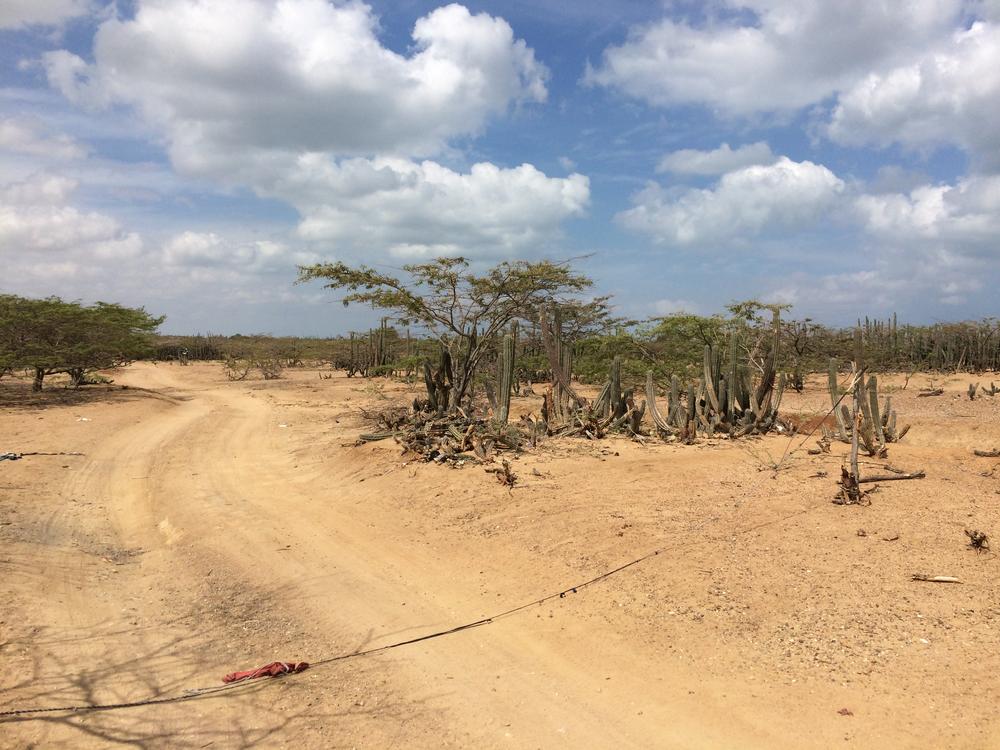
[213, 525]
[517, 375]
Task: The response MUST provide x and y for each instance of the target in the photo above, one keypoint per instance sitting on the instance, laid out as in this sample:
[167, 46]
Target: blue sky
[186, 155]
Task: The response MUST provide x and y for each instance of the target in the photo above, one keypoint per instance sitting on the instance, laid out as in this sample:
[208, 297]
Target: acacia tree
[464, 310]
[50, 336]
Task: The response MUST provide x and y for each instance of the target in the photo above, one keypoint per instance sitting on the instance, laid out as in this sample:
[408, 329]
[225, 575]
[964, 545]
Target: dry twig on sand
[891, 477]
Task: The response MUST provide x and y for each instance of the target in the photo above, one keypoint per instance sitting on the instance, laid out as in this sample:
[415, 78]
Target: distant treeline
[672, 344]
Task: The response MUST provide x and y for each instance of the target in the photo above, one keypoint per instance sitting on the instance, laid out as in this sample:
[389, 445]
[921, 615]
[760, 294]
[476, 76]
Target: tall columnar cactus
[439, 383]
[734, 404]
[505, 366]
[615, 389]
[712, 379]
[660, 421]
[563, 400]
[840, 410]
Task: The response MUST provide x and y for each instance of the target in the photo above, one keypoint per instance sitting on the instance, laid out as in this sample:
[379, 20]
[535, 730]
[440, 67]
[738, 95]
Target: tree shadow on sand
[323, 706]
[16, 395]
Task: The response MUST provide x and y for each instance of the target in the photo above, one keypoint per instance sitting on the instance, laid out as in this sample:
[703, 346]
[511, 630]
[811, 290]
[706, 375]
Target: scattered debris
[862, 533]
[850, 493]
[456, 437]
[274, 669]
[845, 712]
[822, 446]
[504, 474]
[18, 456]
[893, 538]
[978, 540]
[935, 579]
[931, 392]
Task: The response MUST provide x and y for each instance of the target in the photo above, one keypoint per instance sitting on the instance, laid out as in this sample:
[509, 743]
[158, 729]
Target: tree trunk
[39, 377]
[77, 376]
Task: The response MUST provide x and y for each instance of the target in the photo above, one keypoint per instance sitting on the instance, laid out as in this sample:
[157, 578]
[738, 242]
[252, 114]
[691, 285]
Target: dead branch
[891, 477]
[935, 579]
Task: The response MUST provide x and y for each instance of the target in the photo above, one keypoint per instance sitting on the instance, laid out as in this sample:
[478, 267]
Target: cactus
[876, 427]
[615, 389]
[505, 378]
[438, 384]
[711, 378]
[838, 409]
[563, 399]
[721, 402]
[661, 423]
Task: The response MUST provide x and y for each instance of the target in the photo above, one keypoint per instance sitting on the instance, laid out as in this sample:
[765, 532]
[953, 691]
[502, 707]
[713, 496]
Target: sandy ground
[214, 526]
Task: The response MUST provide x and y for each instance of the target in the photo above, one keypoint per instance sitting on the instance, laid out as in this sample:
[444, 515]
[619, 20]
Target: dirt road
[214, 526]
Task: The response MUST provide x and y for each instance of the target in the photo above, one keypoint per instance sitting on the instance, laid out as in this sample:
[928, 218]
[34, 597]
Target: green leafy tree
[679, 340]
[50, 336]
[464, 310]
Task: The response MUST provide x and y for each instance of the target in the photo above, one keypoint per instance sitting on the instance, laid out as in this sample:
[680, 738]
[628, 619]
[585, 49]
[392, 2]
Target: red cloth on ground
[273, 669]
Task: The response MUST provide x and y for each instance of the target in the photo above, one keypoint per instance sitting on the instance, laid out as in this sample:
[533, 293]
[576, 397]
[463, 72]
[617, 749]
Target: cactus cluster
[713, 405]
[724, 399]
[369, 355]
[614, 408]
[975, 387]
[877, 426]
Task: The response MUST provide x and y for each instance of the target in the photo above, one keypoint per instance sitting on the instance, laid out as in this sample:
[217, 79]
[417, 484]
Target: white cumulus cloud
[786, 196]
[301, 101]
[16, 14]
[300, 75]
[35, 215]
[753, 56]
[425, 208]
[717, 161]
[202, 251]
[949, 94]
[965, 215]
[23, 136]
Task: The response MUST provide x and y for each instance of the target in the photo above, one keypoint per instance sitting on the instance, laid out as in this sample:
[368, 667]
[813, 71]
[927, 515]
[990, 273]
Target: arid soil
[215, 526]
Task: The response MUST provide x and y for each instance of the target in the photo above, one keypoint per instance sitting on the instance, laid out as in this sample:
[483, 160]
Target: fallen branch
[18, 456]
[935, 579]
[988, 454]
[892, 477]
[372, 437]
[931, 392]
